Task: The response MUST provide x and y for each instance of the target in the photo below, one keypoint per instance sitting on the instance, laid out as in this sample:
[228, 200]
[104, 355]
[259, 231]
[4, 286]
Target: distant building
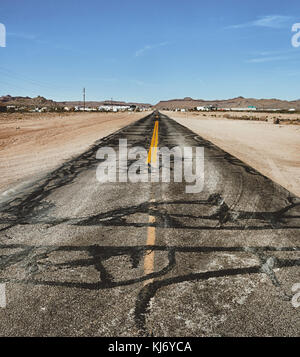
[207, 108]
[243, 109]
[113, 107]
[212, 107]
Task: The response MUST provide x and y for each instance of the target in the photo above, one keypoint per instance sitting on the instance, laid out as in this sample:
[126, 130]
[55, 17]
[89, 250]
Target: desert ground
[262, 116]
[32, 144]
[273, 150]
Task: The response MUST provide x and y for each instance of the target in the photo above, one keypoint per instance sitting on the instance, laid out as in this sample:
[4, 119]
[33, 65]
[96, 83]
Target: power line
[84, 99]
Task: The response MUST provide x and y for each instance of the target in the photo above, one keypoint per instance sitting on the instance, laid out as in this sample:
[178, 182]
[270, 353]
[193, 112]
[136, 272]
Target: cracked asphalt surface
[72, 249]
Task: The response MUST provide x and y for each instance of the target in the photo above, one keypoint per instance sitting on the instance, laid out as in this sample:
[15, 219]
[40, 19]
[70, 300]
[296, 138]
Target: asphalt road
[84, 258]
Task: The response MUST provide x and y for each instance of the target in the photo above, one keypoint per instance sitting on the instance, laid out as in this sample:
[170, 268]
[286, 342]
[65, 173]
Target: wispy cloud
[268, 59]
[23, 36]
[146, 48]
[270, 21]
[271, 56]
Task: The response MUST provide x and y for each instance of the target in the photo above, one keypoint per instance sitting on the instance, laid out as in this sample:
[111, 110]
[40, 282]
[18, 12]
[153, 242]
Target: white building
[243, 109]
[113, 108]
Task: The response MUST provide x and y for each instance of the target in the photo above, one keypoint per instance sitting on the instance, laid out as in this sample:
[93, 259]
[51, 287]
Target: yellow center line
[151, 234]
[149, 255]
[153, 147]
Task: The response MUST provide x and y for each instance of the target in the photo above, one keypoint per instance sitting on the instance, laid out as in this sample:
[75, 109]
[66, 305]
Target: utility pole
[84, 99]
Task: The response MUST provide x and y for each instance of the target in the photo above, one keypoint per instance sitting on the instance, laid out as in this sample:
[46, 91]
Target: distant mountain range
[239, 102]
[28, 102]
[105, 102]
[43, 102]
[188, 103]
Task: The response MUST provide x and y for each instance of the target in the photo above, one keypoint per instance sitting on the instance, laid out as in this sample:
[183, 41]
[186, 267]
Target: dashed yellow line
[149, 256]
[151, 234]
[153, 147]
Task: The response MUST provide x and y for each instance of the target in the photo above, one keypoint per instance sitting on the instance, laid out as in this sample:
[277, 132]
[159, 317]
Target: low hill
[28, 101]
[239, 102]
[104, 102]
[43, 102]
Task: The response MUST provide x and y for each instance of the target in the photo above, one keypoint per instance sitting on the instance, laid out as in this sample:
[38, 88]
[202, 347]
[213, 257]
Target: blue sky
[146, 51]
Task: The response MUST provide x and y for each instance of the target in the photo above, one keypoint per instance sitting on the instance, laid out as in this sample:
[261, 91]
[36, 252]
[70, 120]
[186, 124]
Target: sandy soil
[237, 115]
[32, 144]
[284, 116]
[271, 149]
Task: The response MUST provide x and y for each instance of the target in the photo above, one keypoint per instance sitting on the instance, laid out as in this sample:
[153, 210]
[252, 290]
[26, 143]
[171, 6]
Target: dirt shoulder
[271, 149]
[32, 144]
